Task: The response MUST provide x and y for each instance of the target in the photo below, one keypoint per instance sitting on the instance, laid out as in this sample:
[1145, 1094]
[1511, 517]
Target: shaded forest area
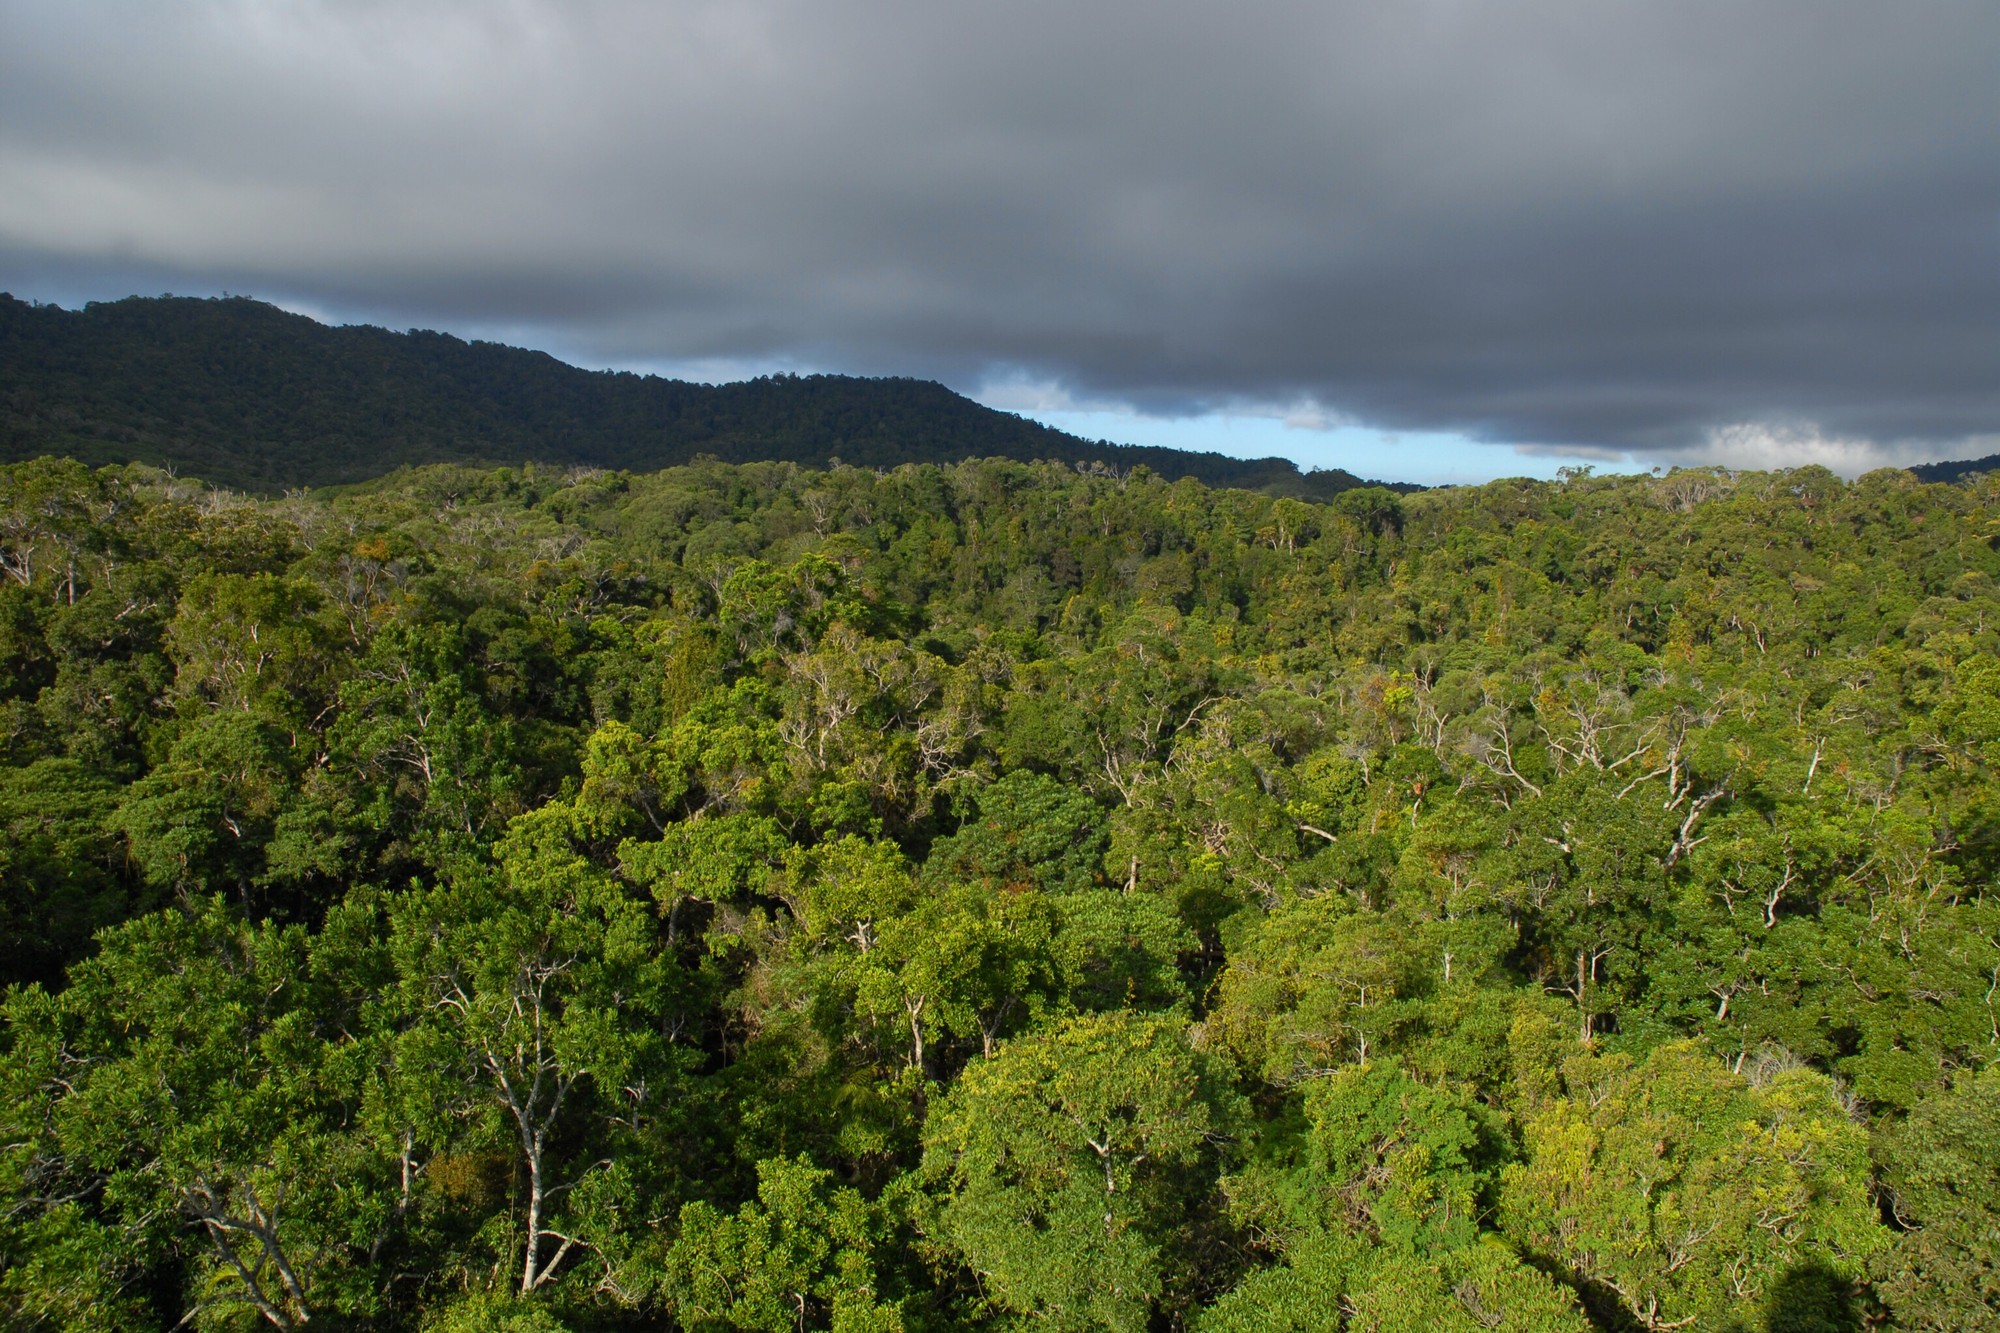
[985, 896]
[244, 395]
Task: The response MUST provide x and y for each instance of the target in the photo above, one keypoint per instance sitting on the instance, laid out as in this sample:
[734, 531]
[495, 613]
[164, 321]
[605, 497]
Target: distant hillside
[245, 395]
[1956, 471]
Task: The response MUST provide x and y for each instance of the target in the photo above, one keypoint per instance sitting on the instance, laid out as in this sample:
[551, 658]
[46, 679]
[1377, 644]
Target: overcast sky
[1433, 239]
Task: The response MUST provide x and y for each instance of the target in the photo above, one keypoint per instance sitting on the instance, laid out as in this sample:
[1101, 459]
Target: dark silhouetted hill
[1958, 470]
[245, 395]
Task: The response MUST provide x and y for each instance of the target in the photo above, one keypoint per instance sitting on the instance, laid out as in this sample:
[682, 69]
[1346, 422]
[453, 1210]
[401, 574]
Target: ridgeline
[245, 395]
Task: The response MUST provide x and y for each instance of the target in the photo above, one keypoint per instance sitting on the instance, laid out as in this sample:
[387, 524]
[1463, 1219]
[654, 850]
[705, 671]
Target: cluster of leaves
[992, 896]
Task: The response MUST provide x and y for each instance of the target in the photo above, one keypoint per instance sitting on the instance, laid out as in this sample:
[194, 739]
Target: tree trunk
[530, 1265]
[916, 1033]
[1582, 996]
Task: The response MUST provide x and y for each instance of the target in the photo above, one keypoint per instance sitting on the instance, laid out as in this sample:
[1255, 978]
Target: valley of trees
[989, 896]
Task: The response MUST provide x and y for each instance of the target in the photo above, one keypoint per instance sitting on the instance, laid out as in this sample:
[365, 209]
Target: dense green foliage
[242, 394]
[988, 896]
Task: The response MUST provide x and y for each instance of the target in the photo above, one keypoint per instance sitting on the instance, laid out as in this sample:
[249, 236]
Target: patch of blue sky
[1432, 458]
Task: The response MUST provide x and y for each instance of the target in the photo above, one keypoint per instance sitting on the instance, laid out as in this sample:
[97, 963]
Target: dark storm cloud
[1671, 229]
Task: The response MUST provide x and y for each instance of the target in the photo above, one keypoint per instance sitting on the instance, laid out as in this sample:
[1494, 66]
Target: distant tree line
[242, 394]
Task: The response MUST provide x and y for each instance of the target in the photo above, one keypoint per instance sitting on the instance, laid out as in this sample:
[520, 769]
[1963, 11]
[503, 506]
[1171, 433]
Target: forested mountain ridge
[987, 896]
[1958, 470]
[241, 394]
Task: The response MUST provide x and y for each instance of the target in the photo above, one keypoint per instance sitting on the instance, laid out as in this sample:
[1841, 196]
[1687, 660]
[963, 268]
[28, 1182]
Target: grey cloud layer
[1563, 223]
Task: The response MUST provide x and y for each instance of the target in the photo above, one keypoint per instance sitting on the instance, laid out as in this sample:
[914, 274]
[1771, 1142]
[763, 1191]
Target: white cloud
[1754, 444]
